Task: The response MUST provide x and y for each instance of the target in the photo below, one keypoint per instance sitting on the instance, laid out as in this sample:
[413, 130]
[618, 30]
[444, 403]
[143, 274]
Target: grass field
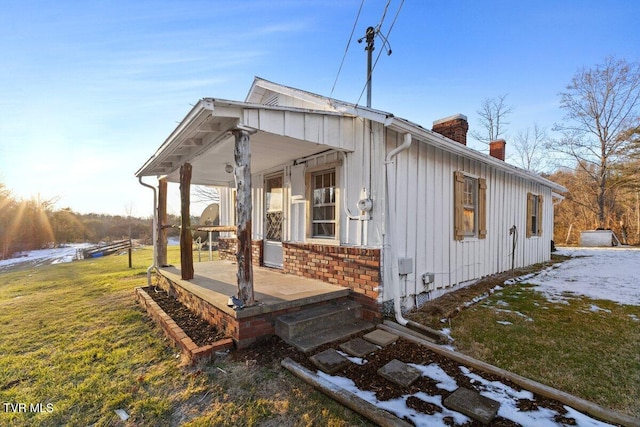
[75, 347]
[589, 348]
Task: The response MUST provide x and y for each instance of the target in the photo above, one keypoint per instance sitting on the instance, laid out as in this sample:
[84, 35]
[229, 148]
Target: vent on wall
[273, 101]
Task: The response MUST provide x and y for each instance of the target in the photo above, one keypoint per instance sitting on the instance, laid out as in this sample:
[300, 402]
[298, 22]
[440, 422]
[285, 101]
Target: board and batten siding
[423, 208]
[355, 178]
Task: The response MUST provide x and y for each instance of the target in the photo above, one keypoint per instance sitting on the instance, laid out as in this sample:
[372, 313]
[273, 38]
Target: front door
[273, 221]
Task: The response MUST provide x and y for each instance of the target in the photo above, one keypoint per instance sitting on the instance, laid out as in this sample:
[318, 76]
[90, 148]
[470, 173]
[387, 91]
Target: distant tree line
[35, 224]
[596, 154]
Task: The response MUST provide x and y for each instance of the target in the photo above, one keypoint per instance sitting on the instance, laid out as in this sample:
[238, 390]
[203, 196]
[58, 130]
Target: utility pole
[370, 36]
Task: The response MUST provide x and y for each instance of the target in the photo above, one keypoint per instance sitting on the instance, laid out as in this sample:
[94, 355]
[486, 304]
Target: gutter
[155, 230]
[435, 139]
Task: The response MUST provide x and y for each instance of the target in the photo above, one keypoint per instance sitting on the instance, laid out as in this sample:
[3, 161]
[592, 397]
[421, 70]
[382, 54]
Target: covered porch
[276, 294]
[224, 143]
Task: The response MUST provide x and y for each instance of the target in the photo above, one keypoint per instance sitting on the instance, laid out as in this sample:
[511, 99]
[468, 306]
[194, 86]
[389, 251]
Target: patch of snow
[583, 420]
[44, 256]
[597, 273]
[595, 309]
[508, 398]
[517, 313]
[634, 317]
[519, 279]
[436, 373]
[399, 406]
[504, 322]
[356, 360]
[447, 333]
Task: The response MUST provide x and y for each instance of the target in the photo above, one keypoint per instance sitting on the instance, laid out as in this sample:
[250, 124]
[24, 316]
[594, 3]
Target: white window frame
[309, 175]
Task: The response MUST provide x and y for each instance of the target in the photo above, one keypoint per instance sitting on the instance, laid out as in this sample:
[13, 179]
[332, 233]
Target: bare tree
[492, 118]
[529, 145]
[205, 193]
[601, 105]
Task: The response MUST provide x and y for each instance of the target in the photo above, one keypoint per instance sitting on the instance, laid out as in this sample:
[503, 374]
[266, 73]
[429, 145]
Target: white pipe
[390, 230]
[346, 210]
[155, 229]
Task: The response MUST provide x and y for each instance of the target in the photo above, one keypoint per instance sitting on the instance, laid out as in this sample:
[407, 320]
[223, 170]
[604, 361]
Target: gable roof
[281, 113]
[262, 91]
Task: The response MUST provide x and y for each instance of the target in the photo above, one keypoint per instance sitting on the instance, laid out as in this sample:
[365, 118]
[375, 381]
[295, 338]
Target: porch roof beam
[209, 125]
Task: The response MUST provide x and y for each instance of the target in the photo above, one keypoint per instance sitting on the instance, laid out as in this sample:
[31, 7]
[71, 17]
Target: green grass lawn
[74, 342]
[75, 346]
[591, 352]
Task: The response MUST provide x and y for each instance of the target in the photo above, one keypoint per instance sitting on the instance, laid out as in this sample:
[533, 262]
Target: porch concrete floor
[215, 281]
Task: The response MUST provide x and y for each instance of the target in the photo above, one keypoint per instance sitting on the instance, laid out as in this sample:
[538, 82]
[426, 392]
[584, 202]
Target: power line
[386, 38]
[384, 14]
[346, 49]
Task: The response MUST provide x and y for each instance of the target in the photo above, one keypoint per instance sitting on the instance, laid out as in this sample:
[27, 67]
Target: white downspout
[155, 229]
[390, 231]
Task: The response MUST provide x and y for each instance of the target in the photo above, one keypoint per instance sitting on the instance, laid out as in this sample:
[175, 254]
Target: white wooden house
[360, 198]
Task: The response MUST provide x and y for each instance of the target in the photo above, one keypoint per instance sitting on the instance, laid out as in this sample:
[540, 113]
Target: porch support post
[161, 259]
[242, 154]
[186, 239]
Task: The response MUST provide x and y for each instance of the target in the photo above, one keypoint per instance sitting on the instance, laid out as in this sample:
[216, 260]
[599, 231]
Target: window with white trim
[323, 204]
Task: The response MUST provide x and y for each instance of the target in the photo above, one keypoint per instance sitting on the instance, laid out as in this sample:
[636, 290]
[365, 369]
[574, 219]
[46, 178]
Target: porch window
[534, 215]
[323, 204]
[469, 207]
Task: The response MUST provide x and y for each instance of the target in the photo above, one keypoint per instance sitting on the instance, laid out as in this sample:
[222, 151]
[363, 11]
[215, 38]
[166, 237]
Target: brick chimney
[453, 127]
[497, 149]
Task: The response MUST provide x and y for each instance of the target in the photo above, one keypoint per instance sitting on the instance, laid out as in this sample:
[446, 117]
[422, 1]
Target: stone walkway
[463, 400]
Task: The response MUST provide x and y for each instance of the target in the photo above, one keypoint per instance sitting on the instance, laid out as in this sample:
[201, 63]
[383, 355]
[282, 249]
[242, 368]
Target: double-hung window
[469, 207]
[534, 215]
[323, 204]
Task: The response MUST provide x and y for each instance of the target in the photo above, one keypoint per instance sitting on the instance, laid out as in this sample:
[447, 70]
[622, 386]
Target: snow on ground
[598, 273]
[507, 396]
[43, 256]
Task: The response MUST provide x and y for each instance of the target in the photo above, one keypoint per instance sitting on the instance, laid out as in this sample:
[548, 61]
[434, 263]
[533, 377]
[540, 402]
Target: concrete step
[309, 329]
[309, 320]
[313, 340]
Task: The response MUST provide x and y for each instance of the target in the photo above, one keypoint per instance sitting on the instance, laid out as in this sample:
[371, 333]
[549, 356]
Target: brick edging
[190, 350]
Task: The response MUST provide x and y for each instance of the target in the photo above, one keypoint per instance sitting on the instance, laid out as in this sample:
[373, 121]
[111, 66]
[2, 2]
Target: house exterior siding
[423, 208]
[295, 134]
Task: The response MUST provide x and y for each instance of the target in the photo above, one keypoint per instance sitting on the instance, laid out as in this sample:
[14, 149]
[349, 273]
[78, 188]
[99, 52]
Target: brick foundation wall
[354, 268]
[228, 247]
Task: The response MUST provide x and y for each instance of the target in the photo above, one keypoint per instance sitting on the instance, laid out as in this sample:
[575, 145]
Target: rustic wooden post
[186, 239]
[161, 244]
[242, 154]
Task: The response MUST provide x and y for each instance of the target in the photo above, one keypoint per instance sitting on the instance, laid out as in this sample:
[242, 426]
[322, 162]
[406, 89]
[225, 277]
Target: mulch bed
[201, 332]
[365, 376]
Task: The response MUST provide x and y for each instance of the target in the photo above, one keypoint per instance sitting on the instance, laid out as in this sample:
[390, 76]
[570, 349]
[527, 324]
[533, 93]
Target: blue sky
[90, 89]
